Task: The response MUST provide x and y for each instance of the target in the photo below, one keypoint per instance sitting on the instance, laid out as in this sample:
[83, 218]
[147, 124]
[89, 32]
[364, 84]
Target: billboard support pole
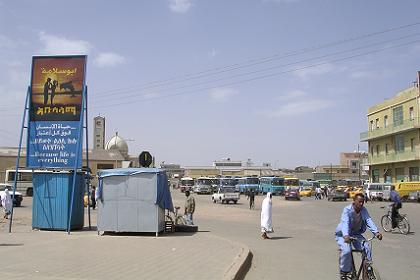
[87, 153]
[25, 111]
[78, 155]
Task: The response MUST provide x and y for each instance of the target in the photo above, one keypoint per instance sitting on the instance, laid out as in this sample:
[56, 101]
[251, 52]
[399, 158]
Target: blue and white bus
[275, 185]
[228, 182]
[248, 183]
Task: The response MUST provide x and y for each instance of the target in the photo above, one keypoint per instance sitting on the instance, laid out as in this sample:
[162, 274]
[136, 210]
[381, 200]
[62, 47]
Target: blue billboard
[55, 127]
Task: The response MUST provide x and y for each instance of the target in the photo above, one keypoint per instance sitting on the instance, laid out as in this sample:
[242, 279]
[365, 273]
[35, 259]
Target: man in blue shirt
[354, 220]
[395, 198]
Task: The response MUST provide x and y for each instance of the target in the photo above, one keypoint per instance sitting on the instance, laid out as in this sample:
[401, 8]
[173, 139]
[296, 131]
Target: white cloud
[108, 59]
[297, 108]
[314, 71]
[180, 6]
[53, 44]
[222, 94]
[294, 94]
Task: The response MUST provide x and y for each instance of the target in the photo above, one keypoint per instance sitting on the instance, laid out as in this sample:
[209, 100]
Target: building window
[411, 113]
[371, 150]
[377, 150]
[412, 144]
[386, 149]
[387, 176]
[371, 126]
[398, 116]
[399, 174]
[386, 121]
[377, 123]
[399, 143]
[375, 176]
[413, 173]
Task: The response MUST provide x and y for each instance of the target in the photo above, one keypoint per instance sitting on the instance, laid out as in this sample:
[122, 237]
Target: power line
[135, 95]
[261, 77]
[249, 63]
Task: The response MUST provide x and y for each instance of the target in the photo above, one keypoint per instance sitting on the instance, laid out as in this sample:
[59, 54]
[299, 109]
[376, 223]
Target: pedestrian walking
[6, 203]
[318, 193]
[266, 217]
[189, 208]
[251, 197]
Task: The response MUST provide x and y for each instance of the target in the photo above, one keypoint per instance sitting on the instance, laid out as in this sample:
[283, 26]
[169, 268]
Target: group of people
[320, 193]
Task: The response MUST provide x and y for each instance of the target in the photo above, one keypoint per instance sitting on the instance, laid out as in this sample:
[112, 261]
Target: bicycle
[402, 222]
[366, 269]
[173, 219]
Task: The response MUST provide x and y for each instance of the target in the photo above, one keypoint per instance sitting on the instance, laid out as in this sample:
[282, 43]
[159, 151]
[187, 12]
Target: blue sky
[282, 81]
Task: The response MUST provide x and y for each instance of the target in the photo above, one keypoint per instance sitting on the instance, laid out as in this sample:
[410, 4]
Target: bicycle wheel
[386, 223]
[404, 225]
[371, 273]
[180, 220]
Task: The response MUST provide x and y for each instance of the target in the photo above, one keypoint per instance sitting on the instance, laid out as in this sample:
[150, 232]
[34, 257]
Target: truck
[225, 195]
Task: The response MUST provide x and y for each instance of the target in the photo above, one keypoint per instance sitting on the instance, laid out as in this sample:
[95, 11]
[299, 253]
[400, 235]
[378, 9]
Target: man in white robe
[266, 221]
[6, 202]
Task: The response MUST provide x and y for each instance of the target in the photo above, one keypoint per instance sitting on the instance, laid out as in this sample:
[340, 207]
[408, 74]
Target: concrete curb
[240, 265]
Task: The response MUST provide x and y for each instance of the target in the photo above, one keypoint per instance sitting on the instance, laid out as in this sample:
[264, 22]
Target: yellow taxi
[355, 191]
[306, 191]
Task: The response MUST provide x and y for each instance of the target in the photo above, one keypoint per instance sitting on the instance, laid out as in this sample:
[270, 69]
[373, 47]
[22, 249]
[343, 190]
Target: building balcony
[391, 129]
[394, 157]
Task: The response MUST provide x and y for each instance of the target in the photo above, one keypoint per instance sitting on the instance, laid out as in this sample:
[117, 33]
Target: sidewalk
[33, 254]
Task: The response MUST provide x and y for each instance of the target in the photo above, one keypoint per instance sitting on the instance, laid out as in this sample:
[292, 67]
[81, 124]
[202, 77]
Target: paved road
[303, 244]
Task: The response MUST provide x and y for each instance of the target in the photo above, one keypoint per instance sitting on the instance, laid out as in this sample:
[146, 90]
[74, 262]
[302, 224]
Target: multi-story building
[393, 138]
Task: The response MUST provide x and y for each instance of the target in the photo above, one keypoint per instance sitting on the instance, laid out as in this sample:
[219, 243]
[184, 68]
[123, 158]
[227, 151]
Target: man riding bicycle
[396, 204]
[354, 220]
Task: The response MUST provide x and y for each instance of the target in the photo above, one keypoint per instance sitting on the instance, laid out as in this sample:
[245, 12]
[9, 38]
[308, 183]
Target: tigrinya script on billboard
[57, 88]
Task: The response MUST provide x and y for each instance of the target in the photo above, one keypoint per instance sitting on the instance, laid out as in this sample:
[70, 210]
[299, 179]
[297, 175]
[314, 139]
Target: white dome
[117, 143]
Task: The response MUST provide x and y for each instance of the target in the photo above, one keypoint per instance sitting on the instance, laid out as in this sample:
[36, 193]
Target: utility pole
[358, 164]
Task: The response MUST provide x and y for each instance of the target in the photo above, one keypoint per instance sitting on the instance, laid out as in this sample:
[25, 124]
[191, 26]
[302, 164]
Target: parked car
[355, 191]
[378, 191]
[306, 191]
[17, 201]
[337, 194]
[292, 193]
[414, 196]
[226, 194]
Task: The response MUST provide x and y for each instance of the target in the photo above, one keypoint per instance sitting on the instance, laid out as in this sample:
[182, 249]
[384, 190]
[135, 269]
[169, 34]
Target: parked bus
[186, 183]
[275, 185]
[203, 185]
[291, 182]
[215, 182]
[324, 183]
[248, 183]
[228, 182]
[23, 180]
[405, 188]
